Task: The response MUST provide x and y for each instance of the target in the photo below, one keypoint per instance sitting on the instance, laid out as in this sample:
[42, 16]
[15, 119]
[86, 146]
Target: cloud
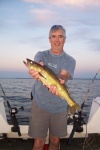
[41, 14]
[66, 11]
[44, 16]
[95, 44]
[79, 3]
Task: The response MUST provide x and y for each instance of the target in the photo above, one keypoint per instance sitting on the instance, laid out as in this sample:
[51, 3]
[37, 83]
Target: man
[49, 111]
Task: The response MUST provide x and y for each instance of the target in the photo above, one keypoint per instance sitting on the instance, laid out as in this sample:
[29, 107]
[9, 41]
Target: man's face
[57, 41]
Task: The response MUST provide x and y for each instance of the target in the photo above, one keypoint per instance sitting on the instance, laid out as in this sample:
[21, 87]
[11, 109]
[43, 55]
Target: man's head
[57, 36]
[55, 28]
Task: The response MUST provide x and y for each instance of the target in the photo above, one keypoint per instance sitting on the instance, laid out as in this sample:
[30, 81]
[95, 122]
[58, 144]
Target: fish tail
[73, 108]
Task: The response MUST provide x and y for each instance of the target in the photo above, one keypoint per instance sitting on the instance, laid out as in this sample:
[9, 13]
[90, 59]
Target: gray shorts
[41, 121]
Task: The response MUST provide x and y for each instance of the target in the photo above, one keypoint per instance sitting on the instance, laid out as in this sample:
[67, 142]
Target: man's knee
[39, 143]
[54, 141]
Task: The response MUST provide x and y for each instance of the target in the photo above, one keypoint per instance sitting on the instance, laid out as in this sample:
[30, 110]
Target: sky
[24, 30]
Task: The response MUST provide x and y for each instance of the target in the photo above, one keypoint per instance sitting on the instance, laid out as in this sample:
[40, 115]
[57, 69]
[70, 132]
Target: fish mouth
[27, 62]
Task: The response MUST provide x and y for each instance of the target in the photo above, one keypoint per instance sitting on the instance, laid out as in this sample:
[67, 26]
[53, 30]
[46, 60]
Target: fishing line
[5, 98]
[86, 95]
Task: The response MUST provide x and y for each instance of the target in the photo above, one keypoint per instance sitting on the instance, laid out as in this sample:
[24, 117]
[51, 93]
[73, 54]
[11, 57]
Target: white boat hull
[91, 127]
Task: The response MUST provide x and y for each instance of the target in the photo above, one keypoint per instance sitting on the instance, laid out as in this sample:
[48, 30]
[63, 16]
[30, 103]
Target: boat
[15, 131]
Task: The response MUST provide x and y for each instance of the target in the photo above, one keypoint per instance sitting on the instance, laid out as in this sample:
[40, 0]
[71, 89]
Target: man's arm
[63, 76]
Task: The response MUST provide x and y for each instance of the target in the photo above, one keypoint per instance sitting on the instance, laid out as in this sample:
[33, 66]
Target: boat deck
[90, 143]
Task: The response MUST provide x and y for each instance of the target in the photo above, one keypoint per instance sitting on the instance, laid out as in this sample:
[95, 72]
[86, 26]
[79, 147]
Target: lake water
[18, 92]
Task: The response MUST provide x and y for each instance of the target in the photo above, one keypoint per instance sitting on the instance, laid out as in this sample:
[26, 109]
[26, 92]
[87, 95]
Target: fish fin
[67, 90]
[44, 81]
[60, 96]
[73, 108]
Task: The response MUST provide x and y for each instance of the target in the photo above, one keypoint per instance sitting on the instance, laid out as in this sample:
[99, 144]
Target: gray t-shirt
[46, 100]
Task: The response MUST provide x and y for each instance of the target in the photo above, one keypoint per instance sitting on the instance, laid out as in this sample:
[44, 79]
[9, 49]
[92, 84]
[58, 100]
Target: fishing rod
[78, 118]
[12, 111]
[86, 95]
[5, 97]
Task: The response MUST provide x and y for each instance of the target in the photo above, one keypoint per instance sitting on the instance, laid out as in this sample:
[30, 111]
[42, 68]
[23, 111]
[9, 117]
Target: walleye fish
[48, 77]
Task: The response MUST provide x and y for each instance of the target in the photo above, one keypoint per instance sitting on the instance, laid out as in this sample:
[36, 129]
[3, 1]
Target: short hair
[56, 28]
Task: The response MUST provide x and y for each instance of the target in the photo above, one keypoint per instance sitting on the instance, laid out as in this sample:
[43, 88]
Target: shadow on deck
[92, 142]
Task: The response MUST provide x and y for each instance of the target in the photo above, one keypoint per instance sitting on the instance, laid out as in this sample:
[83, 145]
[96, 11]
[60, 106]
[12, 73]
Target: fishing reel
[78, 122]
[14, 110]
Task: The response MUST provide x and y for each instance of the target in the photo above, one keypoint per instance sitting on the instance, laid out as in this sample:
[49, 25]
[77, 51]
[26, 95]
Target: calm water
[18, 94]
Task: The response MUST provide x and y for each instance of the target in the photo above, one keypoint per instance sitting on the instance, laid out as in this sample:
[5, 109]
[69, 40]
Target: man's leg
[38, 144]
[54, 143]
[38, 126]
[58, 128]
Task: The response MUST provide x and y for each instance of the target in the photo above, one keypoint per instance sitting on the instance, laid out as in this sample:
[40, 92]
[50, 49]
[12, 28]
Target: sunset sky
[24, 28]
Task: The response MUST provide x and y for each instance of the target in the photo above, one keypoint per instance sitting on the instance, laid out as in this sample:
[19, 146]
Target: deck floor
[76, 144]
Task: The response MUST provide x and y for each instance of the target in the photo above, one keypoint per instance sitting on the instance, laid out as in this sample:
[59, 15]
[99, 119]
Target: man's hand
[53, 88]
[34, 73]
